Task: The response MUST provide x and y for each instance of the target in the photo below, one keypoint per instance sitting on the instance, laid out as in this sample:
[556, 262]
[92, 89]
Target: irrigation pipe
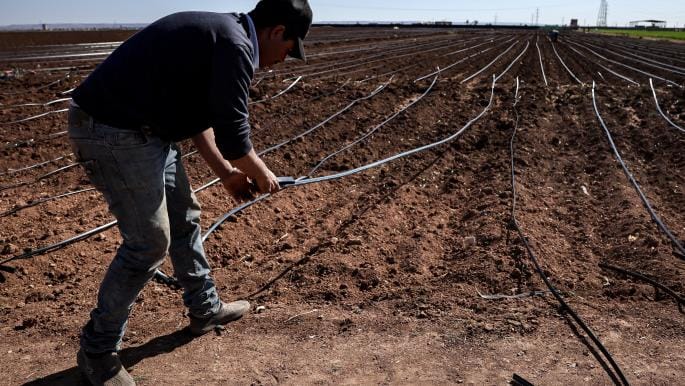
[441, 70]
[41, 87]
[513, 62]
[373, 130]
[607, 69]
[344, 109]
[92, 232]
[680, 301]
[46, 104]
[44, 176]
[35, 117]
[553, 290]
[627, 66]
[542, 68]
[489, 64]
[565, 66]
[32, 141]
[279, 94]
[365, 61]
[12, 171]
[656, 101]
[41, 201]
[679, 250]
[681, 73]
[305, 181]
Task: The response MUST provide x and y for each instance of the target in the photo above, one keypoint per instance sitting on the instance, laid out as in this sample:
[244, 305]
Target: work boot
[106, 370]
[228, 312]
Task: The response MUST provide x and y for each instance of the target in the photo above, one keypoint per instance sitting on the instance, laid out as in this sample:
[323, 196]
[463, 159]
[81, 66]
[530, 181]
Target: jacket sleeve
[229, 90]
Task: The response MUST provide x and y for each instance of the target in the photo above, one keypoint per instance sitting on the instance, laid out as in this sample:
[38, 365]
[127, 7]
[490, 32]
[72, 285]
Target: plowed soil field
[411, 272]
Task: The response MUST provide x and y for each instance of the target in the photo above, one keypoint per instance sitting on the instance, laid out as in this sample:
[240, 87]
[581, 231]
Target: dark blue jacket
[180, 75]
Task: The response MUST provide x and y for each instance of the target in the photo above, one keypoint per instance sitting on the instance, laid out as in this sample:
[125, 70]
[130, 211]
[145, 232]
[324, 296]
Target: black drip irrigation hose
[92, 232]
[374, 129]
[308, 179]
[42, 201]
[304, 181]
[656, 101]
[38, 179]
[618, 378]
[517, 380]
[34, 166]
[680, 301]
[679, 250]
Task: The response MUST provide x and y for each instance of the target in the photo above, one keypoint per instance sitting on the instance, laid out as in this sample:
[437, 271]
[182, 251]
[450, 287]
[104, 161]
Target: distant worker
[186, 75]
[553, 35]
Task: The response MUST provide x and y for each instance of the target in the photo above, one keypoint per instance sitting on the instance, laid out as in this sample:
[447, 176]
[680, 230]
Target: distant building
[648, 24]
[574, 24]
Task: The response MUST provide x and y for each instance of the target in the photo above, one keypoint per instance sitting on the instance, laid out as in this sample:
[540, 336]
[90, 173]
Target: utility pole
[537, 16]
[495, 20]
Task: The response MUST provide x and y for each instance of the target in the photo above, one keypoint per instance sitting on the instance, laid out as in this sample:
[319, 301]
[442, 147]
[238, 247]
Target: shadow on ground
[129, 357]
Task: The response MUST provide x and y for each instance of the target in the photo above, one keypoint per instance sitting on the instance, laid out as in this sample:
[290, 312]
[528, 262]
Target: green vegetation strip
[641, 33]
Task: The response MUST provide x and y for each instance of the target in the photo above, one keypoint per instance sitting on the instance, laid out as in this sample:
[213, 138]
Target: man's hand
[268, 182]
[238, 185]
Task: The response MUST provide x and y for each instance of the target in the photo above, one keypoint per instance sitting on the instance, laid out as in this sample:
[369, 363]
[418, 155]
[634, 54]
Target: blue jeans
[143, 181]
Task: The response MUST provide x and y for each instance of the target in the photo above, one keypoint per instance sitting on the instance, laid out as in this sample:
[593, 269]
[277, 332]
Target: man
[186, 75]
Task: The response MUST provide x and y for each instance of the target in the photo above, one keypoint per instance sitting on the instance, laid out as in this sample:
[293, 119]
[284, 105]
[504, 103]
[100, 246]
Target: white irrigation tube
[12, 171]
[349, 106]
[374, 129]
[489, 64]
[512, 63]
[656, 101]
[676, 244]
[50, 57]
[441, 70]
[35, 117]
[544, 77]
[277, 95]
[608, 69]
[46, 104]
[627, 66]
[365, 61]
[623, 50]
[638, 60]
[565, 66]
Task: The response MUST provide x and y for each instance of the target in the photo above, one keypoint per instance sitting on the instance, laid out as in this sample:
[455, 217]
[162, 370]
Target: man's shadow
[129, 357]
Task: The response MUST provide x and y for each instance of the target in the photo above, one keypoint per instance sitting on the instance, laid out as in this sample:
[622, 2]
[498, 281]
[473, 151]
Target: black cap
[295, 15]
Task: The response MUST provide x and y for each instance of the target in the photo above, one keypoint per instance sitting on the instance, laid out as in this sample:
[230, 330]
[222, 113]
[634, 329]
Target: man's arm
[235, 180]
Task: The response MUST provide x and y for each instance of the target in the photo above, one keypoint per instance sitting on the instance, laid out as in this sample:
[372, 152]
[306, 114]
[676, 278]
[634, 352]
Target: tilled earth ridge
[385, 268]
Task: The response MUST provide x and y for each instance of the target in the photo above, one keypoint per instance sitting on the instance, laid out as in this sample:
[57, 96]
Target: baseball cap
[295, 15]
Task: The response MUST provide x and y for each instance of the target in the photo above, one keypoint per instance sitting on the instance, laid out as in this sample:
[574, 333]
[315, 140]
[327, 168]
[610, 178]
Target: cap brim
[298, 50]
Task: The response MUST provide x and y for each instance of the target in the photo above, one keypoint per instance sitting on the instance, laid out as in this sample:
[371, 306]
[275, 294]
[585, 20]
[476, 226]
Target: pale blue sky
[144, 11]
